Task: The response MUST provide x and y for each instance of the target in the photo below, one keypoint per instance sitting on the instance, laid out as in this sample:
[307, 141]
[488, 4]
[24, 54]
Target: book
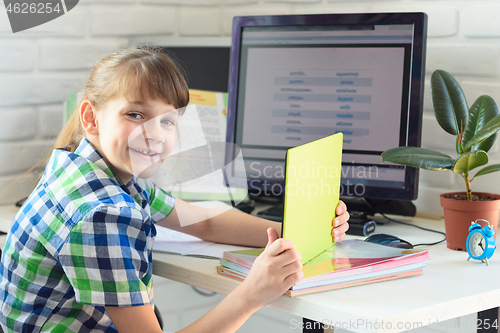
[328, 287]
[312, 184]
[345, 264]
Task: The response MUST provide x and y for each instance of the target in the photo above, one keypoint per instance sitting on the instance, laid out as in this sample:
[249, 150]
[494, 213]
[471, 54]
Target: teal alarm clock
[481, 241]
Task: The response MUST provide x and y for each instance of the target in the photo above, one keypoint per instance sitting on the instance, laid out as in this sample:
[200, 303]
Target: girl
[78, 256]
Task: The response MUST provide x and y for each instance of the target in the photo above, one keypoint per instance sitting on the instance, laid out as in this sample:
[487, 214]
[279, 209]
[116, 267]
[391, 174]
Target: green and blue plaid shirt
[82, 241]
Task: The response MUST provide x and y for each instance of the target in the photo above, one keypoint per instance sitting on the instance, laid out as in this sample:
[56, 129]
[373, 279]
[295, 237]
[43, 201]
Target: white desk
[7, 214]
[450, 287]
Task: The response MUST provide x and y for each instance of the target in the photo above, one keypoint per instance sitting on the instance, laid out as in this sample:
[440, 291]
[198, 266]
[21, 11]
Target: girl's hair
[147, 73]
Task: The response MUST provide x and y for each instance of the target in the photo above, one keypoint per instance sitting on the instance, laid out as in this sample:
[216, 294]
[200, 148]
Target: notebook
[312, 186]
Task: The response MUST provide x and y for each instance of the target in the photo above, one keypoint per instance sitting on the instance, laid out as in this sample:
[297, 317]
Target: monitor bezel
[416, 93]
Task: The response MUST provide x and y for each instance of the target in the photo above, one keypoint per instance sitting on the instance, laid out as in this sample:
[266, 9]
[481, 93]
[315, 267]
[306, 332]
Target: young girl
[78, 256]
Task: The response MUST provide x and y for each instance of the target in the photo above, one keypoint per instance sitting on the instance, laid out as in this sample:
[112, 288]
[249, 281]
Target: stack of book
[345, 264]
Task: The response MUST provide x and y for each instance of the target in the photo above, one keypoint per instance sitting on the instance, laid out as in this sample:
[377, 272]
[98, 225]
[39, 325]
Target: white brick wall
[50, 121]
[185, 2]
[443, 21]
[20, 156]
[200, 21]
[479, 20]
[239, 2]
[456, 58]
[73, 24]
[132, 20]
[39, 67]
[18, 124]
[18, 89]
[17, 56]
[78, 55]
[231, 11]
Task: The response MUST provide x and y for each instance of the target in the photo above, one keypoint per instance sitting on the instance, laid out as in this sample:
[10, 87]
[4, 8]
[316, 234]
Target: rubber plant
[475, 129]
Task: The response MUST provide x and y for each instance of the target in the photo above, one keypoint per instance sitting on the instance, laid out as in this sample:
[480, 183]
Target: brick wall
[40, 66]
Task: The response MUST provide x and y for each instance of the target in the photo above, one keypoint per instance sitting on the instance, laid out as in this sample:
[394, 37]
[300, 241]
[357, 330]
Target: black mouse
[389, 240]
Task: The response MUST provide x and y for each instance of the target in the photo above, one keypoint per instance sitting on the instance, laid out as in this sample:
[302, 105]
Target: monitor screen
[297, 78]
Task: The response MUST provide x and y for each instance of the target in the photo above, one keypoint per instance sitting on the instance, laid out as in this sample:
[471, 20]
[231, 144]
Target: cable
[419, 227]
[409, 224]
[201, 292]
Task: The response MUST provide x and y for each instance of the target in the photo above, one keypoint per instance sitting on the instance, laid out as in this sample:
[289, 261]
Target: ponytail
[72, 133]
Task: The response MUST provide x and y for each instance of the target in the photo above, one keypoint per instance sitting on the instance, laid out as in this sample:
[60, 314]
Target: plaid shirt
[82, 241]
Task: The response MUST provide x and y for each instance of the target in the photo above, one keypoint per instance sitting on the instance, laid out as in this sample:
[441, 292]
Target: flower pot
[458, 215]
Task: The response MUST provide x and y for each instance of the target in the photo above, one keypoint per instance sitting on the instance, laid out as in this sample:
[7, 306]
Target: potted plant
[475, 129]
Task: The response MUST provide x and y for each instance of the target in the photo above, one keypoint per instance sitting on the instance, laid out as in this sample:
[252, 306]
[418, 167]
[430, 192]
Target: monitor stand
[273, 213]
[362, 211]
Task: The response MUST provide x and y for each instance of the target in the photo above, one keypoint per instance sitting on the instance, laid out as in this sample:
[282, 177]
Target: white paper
[171, 241]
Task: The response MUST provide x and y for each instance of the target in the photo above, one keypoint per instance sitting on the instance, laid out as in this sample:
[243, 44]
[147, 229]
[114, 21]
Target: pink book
[342, 260]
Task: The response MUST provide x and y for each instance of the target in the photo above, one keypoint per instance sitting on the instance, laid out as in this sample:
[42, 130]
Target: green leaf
[469, 161]
[483, 110]
[490, 128]
[418, 158]
[448, 101]
[487, 170]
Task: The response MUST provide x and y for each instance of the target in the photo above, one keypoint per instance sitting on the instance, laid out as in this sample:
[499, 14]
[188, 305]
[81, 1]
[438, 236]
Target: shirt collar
[87, 151]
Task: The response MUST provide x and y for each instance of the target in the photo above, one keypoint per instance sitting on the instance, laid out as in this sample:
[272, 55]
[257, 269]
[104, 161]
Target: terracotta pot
[458, 215]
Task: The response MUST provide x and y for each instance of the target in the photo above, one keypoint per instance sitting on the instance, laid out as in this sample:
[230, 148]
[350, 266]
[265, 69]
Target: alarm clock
[480, 242]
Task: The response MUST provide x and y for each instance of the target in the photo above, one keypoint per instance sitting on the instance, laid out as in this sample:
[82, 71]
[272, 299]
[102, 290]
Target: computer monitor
[297, 78]
[205, 67]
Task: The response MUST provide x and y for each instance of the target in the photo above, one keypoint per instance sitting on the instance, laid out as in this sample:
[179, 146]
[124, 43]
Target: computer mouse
[389, 240]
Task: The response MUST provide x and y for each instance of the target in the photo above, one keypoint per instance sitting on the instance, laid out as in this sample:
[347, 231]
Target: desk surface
[7, 214]
[450, 286]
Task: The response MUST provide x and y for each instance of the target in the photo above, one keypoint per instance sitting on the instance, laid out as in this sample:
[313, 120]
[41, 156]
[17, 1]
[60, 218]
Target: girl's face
[136, 136]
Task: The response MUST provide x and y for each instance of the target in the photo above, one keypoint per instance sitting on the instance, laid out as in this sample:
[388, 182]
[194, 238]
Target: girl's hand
[339, 223]
[273, 272]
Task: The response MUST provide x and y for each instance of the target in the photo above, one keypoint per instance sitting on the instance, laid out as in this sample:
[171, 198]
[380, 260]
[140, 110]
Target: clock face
[477, 244]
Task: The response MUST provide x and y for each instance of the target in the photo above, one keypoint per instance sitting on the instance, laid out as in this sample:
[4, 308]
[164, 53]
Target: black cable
[204, 293]
[409, 224]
